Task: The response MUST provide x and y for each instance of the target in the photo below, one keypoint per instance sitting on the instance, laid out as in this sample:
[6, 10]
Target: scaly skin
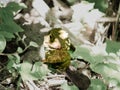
[59, 57]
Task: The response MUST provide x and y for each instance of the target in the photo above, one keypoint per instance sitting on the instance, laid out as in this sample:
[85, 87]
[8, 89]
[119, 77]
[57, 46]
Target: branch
[108, 19]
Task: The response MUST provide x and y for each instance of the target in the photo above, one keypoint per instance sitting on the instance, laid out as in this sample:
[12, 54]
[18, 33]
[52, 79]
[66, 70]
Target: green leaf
[39, 70]
[13, 6]
[107, 71]
[84, 53]
[114, 66]
[14, 57]
[98, 58]
[112, 46]
[33, 72]
[25, 71]
[19, 50]
[102, 5]
[10, 65]
[11, 27]
[2, 43]
[34, 44]
[7, 34]
[114, 82]
[65, 86]
[7, 25]
[97, 84]
[13, 63]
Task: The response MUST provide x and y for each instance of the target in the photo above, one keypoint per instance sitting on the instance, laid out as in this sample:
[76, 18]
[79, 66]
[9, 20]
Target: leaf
[13, 6]
[102, 5]
[65, 86]
[2, 43]
[10, 65]
[6, 15]
[25, 71]
[81, 52]
[34, 44]
[114, 66]
[19, 50]
[7, 34]
[11, 27]
[98, 59]
[97, 84]
[15, 57]
[91, 17]
[107, 71]
[33, 72]
[112, 46]
[39, 70]
[13, 63]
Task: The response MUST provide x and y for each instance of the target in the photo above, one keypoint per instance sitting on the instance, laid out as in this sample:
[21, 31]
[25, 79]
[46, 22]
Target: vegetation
[93, 32]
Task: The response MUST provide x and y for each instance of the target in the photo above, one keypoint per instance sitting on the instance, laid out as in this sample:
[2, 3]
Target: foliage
[9, 30]
[97, 84]
[33, 72]
[102, 5]
[112, 46]
[2, 43]
[106, 64]
[8, 27]
[65, 86]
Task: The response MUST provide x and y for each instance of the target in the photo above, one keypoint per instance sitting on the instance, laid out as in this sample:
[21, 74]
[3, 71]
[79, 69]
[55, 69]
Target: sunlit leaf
[2, 43]
[34, 44]
[91, 17]
[6, 15]
[33, 72]
[97, 84]
[106, 71]
[25, 71]
[80, 10]
[65, 86]
[10, 65]
[84, 53]
[7, 25]
[19, 50]
[11, 27]
[39, 70]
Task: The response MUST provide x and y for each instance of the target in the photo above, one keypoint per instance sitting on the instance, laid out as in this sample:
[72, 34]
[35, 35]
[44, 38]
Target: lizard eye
[52, 39]
[50, 36]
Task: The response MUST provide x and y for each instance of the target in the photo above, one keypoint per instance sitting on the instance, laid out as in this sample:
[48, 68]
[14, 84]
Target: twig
[117, 23]
[6, 54]
[32, 85]
[108, 19]
[56, 76]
